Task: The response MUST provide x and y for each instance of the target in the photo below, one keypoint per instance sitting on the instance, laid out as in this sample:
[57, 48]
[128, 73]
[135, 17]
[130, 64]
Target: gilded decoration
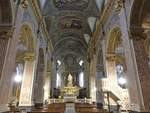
[29, 56]
[25, 56]
[24, 3]
[27, 38]
[71, 23]
[111, 57]
[71, 4]
[70, 89]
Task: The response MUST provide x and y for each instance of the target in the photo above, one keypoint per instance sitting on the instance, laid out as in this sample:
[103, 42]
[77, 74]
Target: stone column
[92, 79]
[99, 94]
[9, 65]
[53, 78]
[86, 77]
[5, 39]
[5, 35]
[143, 71]
[27, 82]
[3, 48]
[132, 77]
[47, 74]
[39, 85]
[47, 85]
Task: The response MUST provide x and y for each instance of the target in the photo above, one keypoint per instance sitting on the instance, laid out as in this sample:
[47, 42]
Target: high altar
[70, 92]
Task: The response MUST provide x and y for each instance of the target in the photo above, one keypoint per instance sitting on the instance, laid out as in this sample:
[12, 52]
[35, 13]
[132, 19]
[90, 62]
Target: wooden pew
[84, 105]
[88, 108]
[51, 108]
[57, 106]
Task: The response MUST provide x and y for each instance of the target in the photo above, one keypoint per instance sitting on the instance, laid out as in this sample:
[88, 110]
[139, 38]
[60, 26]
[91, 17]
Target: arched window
[81, 79]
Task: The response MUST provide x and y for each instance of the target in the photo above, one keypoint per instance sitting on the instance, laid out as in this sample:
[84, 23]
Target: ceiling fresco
[70, 23]
[67, 23]
[71, 4]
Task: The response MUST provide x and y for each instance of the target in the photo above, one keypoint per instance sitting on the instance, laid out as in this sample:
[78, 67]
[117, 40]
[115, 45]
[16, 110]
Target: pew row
[51, 108]
[88, 108]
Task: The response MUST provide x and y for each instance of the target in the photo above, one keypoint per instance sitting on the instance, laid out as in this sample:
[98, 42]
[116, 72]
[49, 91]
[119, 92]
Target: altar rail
[63, 100]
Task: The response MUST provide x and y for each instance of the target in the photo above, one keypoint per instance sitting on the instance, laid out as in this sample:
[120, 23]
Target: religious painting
[71, 4]
[71, 23]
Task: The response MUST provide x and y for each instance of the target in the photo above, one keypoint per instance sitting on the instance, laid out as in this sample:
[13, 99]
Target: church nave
[74, 56]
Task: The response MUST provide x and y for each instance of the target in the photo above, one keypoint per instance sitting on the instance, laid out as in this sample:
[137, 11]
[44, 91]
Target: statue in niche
[70, 81]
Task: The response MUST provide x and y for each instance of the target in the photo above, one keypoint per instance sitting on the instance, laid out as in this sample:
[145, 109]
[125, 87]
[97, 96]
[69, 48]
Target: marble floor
[70, 108]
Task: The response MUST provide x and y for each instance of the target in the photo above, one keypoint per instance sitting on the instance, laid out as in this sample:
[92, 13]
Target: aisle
[70, 108]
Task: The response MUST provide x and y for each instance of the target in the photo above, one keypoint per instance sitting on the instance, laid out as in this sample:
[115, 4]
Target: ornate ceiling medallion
[71, 4]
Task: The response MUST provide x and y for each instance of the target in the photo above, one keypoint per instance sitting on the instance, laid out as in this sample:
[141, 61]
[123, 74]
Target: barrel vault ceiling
[69, 23]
